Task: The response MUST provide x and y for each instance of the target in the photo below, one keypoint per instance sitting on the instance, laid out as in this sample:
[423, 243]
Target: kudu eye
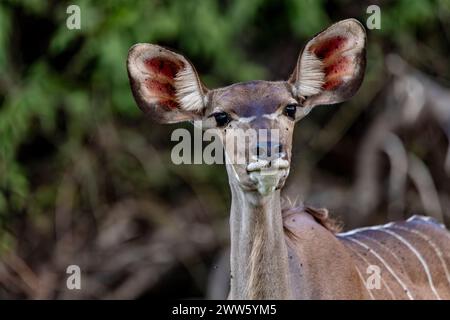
[222, 118]
[290, 110]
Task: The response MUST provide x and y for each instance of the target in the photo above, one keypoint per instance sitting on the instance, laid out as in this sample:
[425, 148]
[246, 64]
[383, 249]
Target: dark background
[85, 179]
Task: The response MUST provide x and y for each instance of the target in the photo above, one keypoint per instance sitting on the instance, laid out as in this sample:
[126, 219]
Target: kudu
[293, 253]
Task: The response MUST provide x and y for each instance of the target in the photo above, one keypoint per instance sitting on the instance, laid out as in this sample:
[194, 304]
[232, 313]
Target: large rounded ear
[331, 67]
[165, 84]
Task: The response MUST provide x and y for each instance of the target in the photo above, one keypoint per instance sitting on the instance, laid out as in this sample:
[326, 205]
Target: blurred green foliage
[58, 87]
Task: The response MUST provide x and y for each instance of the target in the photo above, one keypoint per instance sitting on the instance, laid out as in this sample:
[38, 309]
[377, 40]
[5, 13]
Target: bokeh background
[85, 179]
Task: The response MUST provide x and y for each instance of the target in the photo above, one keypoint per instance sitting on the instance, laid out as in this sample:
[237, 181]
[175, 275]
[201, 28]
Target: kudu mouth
[268, 175]
[263, 165]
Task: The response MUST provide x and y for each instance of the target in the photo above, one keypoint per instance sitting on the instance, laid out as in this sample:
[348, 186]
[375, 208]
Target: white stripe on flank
[354, 231]
[419, 256]
[383, 246]
[427, 219]
[433, 245]
[364, 282]
[385, 264]
[369, 264]
[351, 232]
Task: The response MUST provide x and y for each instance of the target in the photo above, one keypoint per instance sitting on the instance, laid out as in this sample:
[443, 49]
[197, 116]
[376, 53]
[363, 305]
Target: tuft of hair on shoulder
[320, 215]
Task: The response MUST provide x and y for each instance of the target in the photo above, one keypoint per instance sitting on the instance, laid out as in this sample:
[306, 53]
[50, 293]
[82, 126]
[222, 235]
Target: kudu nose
[268, 149]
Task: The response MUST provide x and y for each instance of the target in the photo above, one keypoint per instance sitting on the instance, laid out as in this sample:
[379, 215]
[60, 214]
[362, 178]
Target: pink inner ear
[162, 66]
[160, 83]
[159, 88]
[336, 70]
[168, 104]
[328, 47]
[336, 66]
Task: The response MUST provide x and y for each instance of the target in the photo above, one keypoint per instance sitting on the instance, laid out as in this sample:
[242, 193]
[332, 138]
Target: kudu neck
[259, 258]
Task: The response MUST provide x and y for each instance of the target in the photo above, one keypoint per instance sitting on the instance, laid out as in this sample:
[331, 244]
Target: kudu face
[261, 114]
[258, 134]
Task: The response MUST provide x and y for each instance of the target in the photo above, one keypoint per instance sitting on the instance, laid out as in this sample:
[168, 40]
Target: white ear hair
[311, 74]
[189, 91]
[332, 63]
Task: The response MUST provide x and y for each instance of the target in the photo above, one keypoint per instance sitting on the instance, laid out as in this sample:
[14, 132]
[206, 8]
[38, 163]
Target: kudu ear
[165, 84]
[331, 67]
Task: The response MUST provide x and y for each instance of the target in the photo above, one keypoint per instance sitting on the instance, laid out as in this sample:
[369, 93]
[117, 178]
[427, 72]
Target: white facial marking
[247, 119]
[258, 165]
[280, 163]
[271, 116]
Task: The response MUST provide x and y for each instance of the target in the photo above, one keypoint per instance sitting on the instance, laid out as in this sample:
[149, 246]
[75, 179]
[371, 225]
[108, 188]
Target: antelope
[293, 253]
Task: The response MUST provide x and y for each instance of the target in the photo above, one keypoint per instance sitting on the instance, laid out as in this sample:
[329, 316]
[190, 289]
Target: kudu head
[329, 70]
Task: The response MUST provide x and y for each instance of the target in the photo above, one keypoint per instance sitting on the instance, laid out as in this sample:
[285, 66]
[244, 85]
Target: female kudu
[293, 253]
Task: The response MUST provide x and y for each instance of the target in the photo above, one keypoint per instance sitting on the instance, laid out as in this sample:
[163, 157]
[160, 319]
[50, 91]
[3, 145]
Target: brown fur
[257, 258]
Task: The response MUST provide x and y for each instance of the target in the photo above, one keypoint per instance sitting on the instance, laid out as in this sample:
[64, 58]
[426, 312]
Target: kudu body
[292, 254]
